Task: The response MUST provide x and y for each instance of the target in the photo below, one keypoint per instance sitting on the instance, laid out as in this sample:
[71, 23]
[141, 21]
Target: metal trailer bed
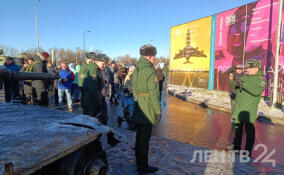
[34, 140]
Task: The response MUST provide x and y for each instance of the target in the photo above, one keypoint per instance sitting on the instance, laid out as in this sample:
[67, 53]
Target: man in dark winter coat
[114, 80]
[41, 86]
[160, 77]
[11, 87]
[53, 83]
[28, 89]
[104, 72]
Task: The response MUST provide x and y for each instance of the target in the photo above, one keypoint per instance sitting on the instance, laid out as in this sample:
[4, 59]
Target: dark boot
[147, 169]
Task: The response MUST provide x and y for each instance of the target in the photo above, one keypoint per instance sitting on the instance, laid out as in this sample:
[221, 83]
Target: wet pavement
[196, 125]
[190, 123]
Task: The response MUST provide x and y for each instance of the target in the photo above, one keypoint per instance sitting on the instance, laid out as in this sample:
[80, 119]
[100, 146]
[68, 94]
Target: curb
[261, 118]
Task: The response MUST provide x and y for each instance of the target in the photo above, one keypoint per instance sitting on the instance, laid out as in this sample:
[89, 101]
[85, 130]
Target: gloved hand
[158, 117]
[238, 81]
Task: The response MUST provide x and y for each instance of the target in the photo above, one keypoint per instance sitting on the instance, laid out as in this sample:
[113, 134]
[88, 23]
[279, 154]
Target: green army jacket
[82, 74]
[248, 98]
[146, 93]
[165, 72]
[92, 85]
[29, 68]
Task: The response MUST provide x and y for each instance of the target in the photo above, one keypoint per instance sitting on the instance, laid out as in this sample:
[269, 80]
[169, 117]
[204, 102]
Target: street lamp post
[276, 68]
[36, 18]
[84, 41]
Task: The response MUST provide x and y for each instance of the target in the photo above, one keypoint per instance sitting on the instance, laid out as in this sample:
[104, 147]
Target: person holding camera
[248, 94]
[235, 73]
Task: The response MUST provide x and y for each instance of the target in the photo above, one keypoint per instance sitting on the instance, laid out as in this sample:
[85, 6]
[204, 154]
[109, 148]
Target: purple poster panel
[246, 32]
[281, 60]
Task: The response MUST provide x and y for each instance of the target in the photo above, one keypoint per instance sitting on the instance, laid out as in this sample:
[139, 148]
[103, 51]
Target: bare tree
[162, 60]
[9, 51]
[68, 55]
[79, 54]
[126, 59]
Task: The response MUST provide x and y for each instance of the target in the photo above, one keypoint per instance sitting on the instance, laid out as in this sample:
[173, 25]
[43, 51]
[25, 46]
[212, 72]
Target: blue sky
[118, 27]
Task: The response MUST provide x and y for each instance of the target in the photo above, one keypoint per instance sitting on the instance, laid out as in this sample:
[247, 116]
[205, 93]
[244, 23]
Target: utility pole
[21, 51]
[36, 18]
[276, 67]
[52, 56]
[84, 42]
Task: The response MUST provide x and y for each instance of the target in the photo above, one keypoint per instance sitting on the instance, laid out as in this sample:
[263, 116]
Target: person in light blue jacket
[75, 88]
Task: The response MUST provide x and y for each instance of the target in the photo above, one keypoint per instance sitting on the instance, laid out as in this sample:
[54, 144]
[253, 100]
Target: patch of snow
[222, 99]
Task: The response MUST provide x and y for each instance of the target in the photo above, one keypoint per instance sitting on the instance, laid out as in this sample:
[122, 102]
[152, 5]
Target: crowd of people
[74, 83]
[92, 84]
[98, 80]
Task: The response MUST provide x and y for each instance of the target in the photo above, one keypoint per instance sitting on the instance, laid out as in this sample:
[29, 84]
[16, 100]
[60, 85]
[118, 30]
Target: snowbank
[220, 100]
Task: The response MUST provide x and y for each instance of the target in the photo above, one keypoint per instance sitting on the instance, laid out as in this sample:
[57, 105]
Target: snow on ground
[174, 157]
[222, 99]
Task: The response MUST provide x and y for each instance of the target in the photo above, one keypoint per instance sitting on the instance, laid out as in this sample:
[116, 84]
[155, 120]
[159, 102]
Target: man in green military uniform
[92, 84]
[147, 109]
[81, 77]
[235, 73]
[165, 70]
[166, 75]
[244, 111]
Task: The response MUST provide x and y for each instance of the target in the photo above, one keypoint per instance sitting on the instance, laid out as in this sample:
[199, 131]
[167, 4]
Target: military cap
[113, 62]
[9, 58]
[148, 50]
[90, 55]
[105, 58]
[240, 66]
[100, 57]
[252, 63]
[44, 54]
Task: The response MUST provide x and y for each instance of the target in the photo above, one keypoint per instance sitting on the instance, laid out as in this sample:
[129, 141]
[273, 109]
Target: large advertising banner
[190, 53]
[281, 61]
[246, 32]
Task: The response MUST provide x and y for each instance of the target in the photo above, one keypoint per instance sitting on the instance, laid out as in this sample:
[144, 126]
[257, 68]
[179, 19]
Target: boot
[147, 169]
